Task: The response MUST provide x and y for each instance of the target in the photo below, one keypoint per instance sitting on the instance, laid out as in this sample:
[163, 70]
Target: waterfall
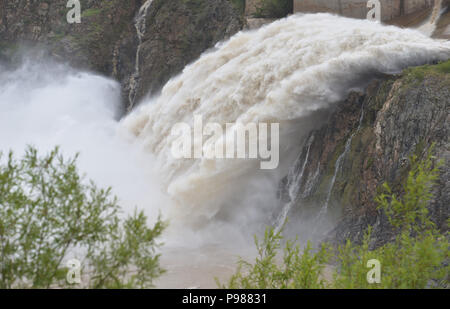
[295, 178]
[140, 25]
[338, 166]
[311, 181]
[285, 72]
[437, 10]
[429, 26]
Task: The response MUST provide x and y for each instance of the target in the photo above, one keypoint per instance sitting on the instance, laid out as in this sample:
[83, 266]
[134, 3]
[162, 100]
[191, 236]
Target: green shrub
[297, 271]
[417, 258]
[48, 213]
[408, 262]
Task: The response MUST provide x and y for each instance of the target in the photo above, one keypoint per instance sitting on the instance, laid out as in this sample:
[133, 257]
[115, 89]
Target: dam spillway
[390, 9]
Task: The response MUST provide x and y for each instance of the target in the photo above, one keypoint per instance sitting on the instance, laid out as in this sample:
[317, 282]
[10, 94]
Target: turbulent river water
[290, 72]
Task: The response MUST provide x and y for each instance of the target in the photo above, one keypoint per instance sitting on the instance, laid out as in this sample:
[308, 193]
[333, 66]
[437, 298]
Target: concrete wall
[358, 8]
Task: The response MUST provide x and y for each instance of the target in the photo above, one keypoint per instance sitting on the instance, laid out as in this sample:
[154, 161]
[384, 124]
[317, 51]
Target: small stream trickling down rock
[294, 184]
[338, 167]
[140, 26]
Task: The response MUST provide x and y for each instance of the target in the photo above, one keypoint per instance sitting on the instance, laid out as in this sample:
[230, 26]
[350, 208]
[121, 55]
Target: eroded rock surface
[402, 116]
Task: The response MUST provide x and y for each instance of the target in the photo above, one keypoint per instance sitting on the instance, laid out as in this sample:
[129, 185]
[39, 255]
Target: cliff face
[90, 44]
[177, 32]
[369, 141]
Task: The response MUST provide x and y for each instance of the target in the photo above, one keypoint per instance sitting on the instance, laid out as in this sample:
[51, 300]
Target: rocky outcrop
[89, 44]
[177, 32]
[368, 141]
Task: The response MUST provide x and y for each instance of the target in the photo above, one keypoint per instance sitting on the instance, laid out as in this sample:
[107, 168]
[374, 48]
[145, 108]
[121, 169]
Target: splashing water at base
[45, 104]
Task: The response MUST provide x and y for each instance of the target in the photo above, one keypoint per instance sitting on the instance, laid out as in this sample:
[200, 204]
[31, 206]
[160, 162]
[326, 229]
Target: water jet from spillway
[285, 72]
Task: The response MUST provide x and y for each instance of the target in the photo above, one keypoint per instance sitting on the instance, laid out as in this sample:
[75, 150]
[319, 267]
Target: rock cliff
[177, 32]
[368, 141]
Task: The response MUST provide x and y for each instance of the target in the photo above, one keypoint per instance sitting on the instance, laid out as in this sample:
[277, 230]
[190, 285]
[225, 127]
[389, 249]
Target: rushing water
[284, 72]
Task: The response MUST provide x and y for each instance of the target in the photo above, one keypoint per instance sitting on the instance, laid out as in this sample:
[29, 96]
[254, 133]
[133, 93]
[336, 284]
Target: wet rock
[403, 116]
[177, 33]
[105, 41]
